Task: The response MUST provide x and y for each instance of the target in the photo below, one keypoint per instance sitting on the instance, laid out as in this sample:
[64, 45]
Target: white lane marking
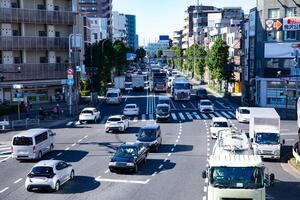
[5, 148]
[178, 136]
[206, 180]
[154, 174]
[104, 119]
[160, 166]
[59, 154]
[147, 107]
[73, 144]
[204, 198]
[69, 123]
[3, 160]
[189, 116]
[122, 181]
[151, 117]
[205, 189]
[181, 116]
[175, 145]
[232, 114]
[4, 189]
[208, 144]
[211, 115]
[169, 154]
[79, 140]
[203, 116]
[66, 149]
[224, 113]
[143, 117]
[196, 115]
[125, 99]
[135, 119]
[85, 136]
[166, 159]
[174, 116]
[17, 181]
[106, 171]
[289, 140]
[180, 133]
[217, 114]
[177, 141]
[183, 106]
[172, 149]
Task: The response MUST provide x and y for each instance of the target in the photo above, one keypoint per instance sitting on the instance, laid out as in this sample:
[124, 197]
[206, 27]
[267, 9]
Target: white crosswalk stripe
[224, 113]
[143, 117]
[196, 115]
[203, 116]
[135, 119]
[174, 117]
[189, 116]
[151, 117]
[211, 115]
[217, 114]
[181, 116]
[231, 114]
[5, 152]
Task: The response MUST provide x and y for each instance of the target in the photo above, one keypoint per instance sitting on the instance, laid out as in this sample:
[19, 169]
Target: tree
[140, 54]
[177, 56]
[120, 51]
[159, 53]
[217, 59]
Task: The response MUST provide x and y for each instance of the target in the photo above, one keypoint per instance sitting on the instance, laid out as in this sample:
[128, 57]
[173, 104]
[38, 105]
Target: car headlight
[130, 164]
[277, 152]
[258, 152]
[112, 164]
[154, 142]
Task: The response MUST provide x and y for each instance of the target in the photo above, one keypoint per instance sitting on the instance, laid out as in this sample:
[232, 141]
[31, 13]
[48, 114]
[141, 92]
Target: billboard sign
[273, 24]
[163, 38]
[291, 24]
[252, 20]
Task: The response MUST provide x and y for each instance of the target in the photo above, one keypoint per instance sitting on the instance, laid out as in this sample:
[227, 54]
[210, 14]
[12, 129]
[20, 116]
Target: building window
[288, 63]
[273, 63]
[290, 12]
[273, 36]
[273, 13]
[290, 35]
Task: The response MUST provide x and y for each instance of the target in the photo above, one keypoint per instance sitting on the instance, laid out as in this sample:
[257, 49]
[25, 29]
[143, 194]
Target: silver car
[49, 174]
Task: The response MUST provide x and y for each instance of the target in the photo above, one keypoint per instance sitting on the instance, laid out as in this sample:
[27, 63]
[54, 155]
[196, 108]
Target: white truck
[119, 82]
[181, 89]
[237, 177]
[138, 81]
[264, 132]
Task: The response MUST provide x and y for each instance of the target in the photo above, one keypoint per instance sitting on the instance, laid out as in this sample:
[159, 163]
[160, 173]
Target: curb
[290, 169]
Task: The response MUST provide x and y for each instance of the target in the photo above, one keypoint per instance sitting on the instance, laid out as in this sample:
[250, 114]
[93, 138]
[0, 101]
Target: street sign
[273, 24]
[291, 24]
[70, 82]
[78, 68]
[70, 70]
[70, 76]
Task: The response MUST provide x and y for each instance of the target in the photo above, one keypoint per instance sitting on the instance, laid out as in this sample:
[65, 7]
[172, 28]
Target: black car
[150, 136]
[128, 156]
[201, 94]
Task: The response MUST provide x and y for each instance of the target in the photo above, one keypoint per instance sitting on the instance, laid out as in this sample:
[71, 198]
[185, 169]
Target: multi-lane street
[174, 172]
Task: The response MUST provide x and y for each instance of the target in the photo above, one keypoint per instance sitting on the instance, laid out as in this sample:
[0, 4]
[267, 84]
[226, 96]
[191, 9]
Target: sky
[162, 17]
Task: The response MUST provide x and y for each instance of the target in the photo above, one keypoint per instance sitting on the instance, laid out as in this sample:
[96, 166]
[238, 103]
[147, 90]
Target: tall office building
[34, 48]
[131, 31]
[119, 31]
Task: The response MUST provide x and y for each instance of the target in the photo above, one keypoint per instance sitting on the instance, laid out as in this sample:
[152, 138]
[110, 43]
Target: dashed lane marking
[17, 181]
[122, 181]
[106, 171]
[172, 149]
[225, 114]
[177, 141]
[85, 136]
[166, 159]
[68, 148]
[160, 166]
[73, 144]
[154, 174]
[205, 189]
[69, 123]
[1, 191]
[169, 154]
[181, 116]
[189, 116]
[59, 154]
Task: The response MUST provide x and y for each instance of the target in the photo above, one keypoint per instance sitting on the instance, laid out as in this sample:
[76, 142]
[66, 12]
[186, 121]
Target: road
[172, 173]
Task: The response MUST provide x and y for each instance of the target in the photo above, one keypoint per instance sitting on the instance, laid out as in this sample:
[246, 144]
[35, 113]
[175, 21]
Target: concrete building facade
[131, 32]
[119, 31]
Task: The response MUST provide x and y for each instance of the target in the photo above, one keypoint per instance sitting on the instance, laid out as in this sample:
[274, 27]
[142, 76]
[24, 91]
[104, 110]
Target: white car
[242, 114]
[49, 174]
[205, 106]
[89, 114]
[218, 124]
[116, 123]
[131, 109]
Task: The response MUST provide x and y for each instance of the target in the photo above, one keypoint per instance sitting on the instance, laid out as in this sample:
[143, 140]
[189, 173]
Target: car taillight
[33, 149]
[29, 175]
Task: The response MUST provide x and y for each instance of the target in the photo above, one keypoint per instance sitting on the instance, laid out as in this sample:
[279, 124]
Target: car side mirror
[272, 179]
[283, 141]
[204, 174]
[52, 134]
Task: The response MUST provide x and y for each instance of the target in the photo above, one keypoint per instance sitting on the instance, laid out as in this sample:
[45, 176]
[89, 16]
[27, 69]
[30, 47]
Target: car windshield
[267, 138]
[162, 101]
[201, 92]
[237, 177]
[159, 79]
[220, 124]
[147, 134]
[130, 107]
[126, 152]
[182, 86]
[162, 109]
[42, 170]
[114, 119]
[206, 103]
[22, 141]
[244, 111]
[112, 95]
[87, 112]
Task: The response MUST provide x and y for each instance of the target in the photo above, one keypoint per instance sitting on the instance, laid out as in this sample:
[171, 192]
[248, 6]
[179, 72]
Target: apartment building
[177, 38]
[119, 31]
[274, 33]
[131, 32]
[34, 48]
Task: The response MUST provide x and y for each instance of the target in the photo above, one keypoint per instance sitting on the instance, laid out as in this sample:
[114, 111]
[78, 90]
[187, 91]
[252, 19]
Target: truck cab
[181, 89]
[237, 177]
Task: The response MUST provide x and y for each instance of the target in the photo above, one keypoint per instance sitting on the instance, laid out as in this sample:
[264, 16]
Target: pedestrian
[27, 109]
[41, 113]
[58, 110]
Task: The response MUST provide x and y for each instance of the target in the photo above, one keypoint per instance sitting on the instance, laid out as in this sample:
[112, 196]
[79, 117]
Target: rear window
[244, 111]
[220, 124]
[42, 170]
[87, 112]
[114, 119]
[131, 106]
[206, 103]
[22, 141]
[112, 95]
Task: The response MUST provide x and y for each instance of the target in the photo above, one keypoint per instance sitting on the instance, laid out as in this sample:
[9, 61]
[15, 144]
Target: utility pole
[197, 13]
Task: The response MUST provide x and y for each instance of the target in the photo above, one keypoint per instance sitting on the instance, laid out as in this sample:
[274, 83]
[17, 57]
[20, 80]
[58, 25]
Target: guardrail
[295, 153]
[25, 122]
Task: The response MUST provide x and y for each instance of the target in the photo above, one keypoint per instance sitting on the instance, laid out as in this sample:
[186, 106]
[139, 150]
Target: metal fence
[25, 123]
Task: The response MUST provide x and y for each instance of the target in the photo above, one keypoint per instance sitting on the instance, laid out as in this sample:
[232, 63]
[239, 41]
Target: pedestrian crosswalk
[174, 116]
[5, 152]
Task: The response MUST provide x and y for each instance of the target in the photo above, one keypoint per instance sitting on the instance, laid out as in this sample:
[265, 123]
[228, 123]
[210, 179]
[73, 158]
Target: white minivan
[113, 96]
[32, 144]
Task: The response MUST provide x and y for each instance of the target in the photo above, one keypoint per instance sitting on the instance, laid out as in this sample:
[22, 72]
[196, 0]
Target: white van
[113, 96]
[32, 144]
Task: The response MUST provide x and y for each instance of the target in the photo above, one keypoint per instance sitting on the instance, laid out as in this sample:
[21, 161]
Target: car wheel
[80, 122]
[72, 175]
[40, 155]
[29, 189]
[57, 186]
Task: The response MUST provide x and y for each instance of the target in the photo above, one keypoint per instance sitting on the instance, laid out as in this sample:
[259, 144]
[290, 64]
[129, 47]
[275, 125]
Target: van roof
[264, 113]
[47, 163]
[163, 98]
[31, 132]
[113, 90]
[235, 161]
[219, 119]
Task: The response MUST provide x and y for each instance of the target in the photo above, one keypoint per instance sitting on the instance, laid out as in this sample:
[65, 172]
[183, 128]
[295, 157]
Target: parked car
[131, 109]
[49, 174]
[206, 106]
[32, 143]
[116, 123]
[242, 114]
[218, 124]
[89, 114]
[201, 94]
[150, 136]
[128, 156]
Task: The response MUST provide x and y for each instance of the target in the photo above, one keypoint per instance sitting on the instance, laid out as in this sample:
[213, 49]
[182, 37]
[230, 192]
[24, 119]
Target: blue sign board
[130, 56]
[163, 37]
[78, 68]
[70, 81]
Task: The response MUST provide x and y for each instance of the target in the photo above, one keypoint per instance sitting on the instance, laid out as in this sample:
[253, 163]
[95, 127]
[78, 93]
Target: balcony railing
[35, 43]
[19, 15]
[29, 72]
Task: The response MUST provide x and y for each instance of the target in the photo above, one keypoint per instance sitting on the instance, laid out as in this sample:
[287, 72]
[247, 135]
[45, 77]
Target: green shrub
[85, 92]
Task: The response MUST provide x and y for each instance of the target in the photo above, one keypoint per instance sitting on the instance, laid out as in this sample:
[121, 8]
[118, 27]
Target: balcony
[18, 15]
[87, 2]
[34, 43]
[30, 72]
